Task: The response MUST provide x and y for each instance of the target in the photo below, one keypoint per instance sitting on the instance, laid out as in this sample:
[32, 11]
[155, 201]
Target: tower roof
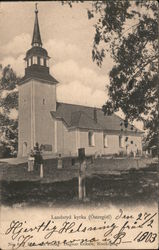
[39, 51]
[36, 40]
[37, 58]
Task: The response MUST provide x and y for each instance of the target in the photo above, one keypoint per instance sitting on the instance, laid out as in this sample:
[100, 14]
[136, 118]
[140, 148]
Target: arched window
[105, 141]
[29, 61]
[34, 59]
[35, 44]
[44, 101]
[121, 141]
[91, 138]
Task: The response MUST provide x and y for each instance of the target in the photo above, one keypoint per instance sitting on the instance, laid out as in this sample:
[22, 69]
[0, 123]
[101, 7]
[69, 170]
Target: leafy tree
[8, 104]
[128, 30]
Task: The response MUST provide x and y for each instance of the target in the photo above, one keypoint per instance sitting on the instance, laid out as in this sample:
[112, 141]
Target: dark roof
[46, 79]
[36, 33]
[38, 72]
[78, 116]
[38, 51]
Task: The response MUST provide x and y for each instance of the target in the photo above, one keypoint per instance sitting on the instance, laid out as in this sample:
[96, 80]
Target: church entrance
[24, 149]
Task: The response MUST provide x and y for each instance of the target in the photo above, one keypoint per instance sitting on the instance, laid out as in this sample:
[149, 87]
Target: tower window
[29, 61]
[91, 138]
[34, 59]
[36, 44]
[44, 101]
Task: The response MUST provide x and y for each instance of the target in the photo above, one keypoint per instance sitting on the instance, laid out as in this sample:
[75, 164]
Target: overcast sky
[68, 35]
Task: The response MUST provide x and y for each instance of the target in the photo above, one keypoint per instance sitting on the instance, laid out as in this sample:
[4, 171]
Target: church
[63, 128]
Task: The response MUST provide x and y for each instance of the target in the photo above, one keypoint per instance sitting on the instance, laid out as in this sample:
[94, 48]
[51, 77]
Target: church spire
[37, 59]
[36, 40]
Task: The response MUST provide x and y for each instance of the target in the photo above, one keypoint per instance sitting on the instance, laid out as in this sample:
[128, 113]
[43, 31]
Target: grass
[52, 174]
[127, 186]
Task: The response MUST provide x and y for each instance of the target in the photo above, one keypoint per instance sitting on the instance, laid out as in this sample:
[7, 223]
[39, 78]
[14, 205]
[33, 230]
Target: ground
[107, 180]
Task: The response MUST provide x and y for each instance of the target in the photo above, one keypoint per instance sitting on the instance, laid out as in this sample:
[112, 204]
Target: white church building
[63, 128]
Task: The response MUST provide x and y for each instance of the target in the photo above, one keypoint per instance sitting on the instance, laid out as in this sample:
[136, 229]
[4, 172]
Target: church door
[25, 149]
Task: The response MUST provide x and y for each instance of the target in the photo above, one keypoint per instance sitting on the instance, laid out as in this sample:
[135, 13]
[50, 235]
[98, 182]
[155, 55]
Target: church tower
[37, 97]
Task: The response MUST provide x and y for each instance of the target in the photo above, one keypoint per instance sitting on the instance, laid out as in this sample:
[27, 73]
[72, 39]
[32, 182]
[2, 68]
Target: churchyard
[107, 180]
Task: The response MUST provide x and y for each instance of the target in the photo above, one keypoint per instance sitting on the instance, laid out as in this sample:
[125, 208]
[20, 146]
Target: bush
[5, 152]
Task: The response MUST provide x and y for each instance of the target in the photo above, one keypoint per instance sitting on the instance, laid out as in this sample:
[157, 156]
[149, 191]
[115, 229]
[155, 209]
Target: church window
[44, 101]
[29, 61]
[34, 59]
[36, 44]
[91, 138]
[41, 61]
[121, 141]
[105, 141]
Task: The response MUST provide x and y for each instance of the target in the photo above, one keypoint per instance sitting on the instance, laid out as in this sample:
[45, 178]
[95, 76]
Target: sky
[67, 34]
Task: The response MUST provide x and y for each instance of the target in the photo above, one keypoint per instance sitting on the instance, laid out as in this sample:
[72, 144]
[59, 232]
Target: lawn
[19, 172]
[61, 186]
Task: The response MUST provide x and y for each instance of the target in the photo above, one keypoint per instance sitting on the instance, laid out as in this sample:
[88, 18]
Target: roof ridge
[78, 105]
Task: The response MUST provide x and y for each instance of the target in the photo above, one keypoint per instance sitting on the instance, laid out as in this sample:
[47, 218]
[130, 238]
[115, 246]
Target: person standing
[39, 162]
[36, 153]
[31, 160]
[59, 162]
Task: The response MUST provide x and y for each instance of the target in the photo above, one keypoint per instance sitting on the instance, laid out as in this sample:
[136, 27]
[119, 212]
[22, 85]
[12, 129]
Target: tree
[128, 30]
[8, 105]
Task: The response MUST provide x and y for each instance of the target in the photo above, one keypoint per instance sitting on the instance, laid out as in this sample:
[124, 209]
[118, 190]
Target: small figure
[41, 169]
[31, 160]
[37, 146]
[59, 162]
[73, 162]
[39, 162]
[36, 153]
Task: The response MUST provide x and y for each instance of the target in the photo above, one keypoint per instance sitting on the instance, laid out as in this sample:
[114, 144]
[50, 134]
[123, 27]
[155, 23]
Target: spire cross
[36, 7]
